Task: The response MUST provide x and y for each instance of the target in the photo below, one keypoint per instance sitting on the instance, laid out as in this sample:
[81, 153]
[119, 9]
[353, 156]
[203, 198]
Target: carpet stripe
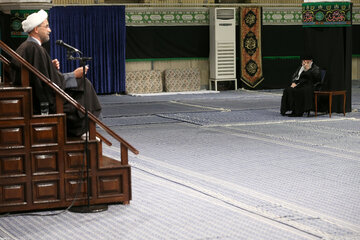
[353, 230]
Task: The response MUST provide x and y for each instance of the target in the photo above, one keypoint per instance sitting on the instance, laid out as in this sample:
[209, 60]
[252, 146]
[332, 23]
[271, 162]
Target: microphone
[71, 48]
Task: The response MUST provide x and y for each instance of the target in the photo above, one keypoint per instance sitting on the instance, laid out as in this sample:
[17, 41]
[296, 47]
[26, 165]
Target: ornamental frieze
[200, 16]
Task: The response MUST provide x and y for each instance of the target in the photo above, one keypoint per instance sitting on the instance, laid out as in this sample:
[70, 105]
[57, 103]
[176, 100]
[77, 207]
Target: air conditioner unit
[222, 56]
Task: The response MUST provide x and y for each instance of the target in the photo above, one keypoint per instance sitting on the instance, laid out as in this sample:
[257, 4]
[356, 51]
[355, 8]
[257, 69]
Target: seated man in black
[37, 26]
[298, 97]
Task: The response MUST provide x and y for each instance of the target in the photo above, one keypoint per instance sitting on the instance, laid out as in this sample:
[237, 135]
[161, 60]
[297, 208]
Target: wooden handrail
[65, 96]
[3, 59]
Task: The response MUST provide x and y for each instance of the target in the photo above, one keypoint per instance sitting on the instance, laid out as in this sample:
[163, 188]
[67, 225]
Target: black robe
[300, 98]
[37, 56]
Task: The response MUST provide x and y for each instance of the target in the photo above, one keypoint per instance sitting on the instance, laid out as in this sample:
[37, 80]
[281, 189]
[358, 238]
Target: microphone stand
[87, 208]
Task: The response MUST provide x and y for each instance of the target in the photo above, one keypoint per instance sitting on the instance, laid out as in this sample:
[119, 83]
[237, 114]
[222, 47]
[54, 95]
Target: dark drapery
[97, 31]
[282, 47]
[278, 71]
[331, 48]
[167, 42]
[356, 39]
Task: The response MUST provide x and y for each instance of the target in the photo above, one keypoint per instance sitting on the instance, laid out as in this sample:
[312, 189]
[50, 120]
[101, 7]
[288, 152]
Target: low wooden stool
[330, 94]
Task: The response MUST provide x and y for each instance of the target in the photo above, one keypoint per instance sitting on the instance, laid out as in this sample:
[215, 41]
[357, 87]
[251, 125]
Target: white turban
[34, 20]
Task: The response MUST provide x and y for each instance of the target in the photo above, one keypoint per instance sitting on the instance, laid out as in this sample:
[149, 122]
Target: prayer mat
[250, 46]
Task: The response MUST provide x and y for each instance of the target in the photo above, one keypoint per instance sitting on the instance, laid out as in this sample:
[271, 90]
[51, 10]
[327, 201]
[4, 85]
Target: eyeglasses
[46, 26]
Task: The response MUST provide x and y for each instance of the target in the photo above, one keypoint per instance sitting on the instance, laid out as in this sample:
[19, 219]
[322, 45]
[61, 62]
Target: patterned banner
[167, 16]
[17, 16]
[326, 14]
[250, 46]
[282, 15]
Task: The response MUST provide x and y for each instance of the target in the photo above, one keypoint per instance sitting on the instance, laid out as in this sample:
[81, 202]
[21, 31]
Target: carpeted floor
[222, 165]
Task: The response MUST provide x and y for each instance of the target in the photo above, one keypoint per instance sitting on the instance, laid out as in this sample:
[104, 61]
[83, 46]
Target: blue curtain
[98, 32]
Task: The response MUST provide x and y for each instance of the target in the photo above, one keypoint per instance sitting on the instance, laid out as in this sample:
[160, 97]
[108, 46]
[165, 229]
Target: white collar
[35, 40]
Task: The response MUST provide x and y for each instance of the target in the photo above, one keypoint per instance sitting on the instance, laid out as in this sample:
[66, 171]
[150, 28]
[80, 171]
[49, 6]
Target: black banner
[167, 42]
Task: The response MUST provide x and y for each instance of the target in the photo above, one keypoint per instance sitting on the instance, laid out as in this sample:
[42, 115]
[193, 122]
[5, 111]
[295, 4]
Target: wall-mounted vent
[225, 14]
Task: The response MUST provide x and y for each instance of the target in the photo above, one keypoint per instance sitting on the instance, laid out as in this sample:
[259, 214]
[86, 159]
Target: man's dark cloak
[37, 56]
[300, 98]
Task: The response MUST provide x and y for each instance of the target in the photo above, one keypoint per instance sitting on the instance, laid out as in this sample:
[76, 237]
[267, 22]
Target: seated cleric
[298, 97]
[37, 26]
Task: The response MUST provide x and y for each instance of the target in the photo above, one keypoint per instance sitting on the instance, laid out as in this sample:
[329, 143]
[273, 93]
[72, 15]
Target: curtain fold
[98, 32]
[331, 49]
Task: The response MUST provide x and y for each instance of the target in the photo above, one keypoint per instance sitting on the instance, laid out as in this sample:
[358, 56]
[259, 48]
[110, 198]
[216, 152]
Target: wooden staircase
[40, 167]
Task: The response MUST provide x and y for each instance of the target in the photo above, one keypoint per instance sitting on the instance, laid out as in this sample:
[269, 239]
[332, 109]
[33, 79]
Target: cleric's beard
[45, 39]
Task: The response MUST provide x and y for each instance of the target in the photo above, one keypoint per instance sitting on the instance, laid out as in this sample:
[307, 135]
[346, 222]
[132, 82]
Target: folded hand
[56, 64]
[79, 71]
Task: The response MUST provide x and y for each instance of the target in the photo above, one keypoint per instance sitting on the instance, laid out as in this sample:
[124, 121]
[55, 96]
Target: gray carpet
[222, 166]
